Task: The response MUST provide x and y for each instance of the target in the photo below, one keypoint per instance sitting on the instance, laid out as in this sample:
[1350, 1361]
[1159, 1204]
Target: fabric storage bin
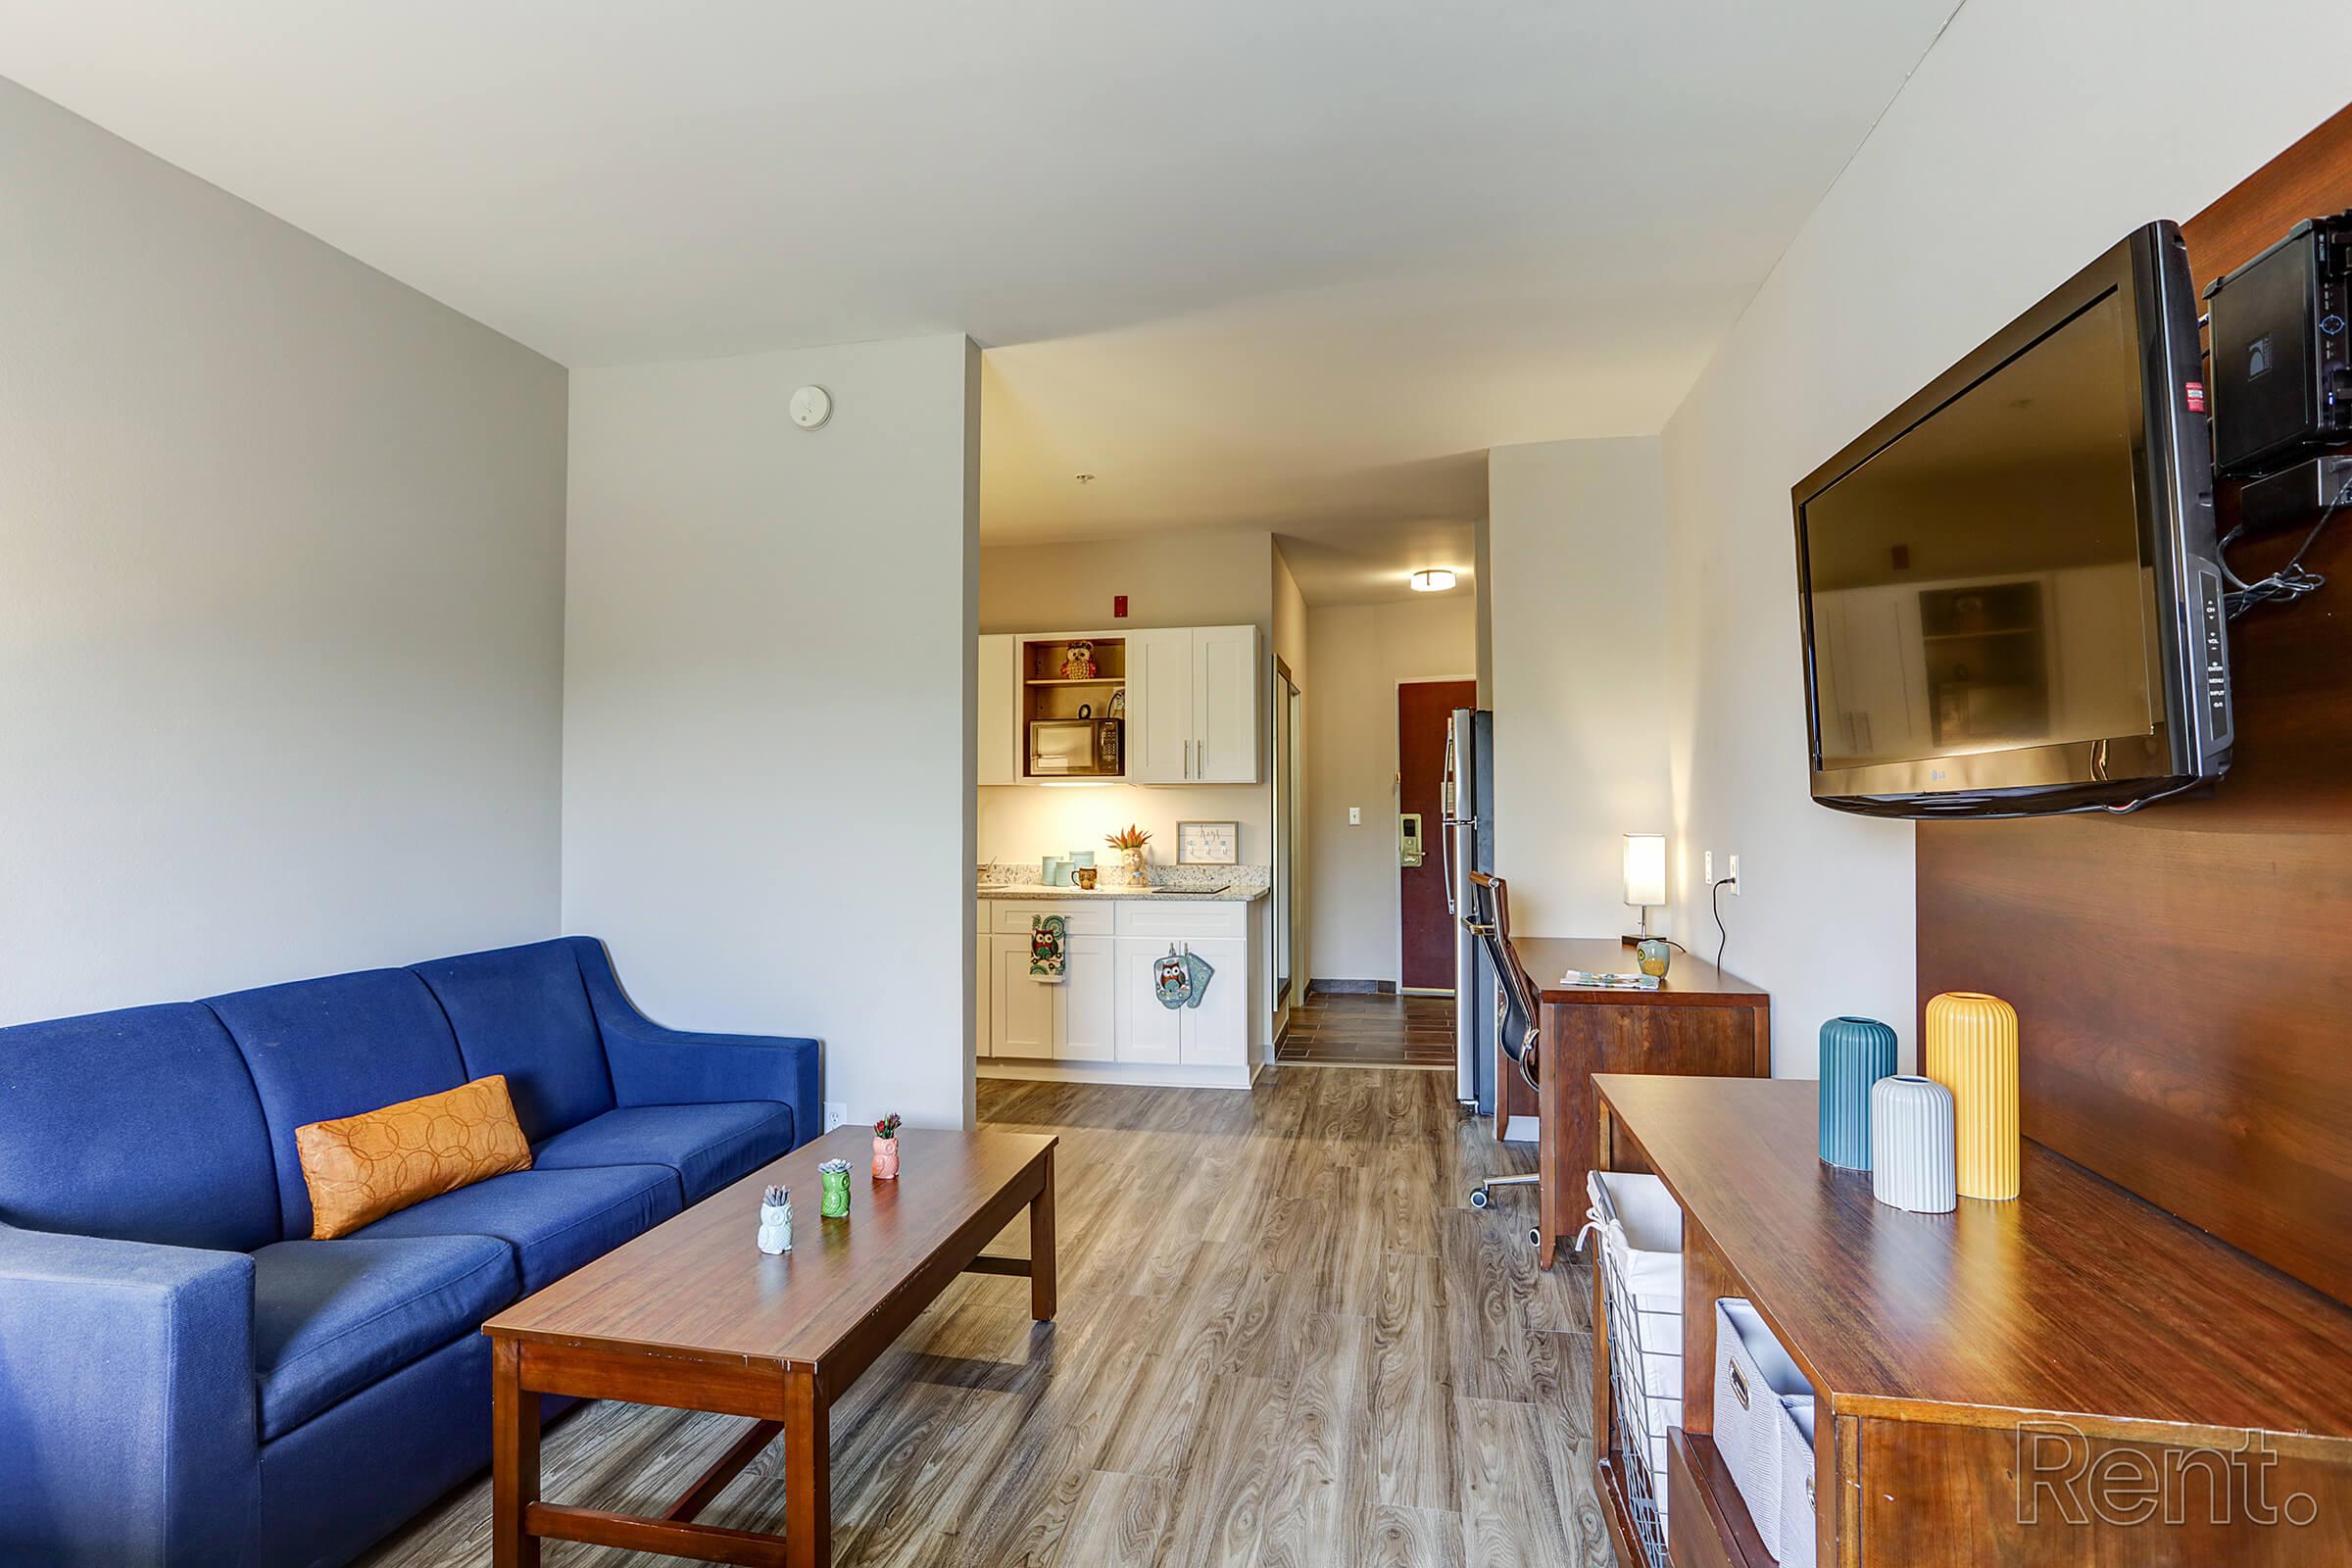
[1640, 1231]
[1756, 1387]
[1796, 1486]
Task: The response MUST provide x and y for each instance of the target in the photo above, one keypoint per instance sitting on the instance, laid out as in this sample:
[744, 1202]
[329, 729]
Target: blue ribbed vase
[1911, 1146]
[1855, 1053]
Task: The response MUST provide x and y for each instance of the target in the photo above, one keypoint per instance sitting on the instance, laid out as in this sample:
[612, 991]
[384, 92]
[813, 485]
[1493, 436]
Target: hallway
[1356, 1030]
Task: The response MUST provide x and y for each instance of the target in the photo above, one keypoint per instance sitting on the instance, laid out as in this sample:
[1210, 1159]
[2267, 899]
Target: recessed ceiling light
[1434, 581]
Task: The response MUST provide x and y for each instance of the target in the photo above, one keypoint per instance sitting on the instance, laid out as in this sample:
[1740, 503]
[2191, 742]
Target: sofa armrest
[126, 1403]
[655, 1066]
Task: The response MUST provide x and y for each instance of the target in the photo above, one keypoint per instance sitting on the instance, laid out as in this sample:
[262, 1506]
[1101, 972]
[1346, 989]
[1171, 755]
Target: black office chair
[1517, 1016]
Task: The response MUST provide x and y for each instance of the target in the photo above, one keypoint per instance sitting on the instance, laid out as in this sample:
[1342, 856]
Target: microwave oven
[1074, 748]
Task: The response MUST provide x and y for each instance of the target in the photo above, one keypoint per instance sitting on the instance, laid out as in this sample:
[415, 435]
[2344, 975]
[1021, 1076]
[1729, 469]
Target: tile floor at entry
[1355, 1030]
[1284, 1341]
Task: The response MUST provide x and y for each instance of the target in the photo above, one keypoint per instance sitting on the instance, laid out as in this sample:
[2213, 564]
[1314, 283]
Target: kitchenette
[1120, 912]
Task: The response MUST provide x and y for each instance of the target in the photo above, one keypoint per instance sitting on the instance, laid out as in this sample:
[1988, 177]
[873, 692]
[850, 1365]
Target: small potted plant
[886, 1148]
[1129, 841]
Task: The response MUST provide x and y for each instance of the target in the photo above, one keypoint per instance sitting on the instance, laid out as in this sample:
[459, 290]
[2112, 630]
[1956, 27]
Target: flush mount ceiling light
[1434, 581]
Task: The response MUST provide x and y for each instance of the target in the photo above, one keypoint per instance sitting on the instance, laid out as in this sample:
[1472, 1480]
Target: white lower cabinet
[983, 1023]
[1216, 1033]
[1105, 1008]
[1147, 1031]
[1088, 1026]
[1021, 1009]
[1074, 1020]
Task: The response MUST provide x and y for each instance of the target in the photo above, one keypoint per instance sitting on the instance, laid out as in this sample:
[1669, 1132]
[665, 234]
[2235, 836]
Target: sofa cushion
[330, 1318]
[323, 1049]
[140, 1126]
[707, 1145]
[360, 1169]
[523, 1012]
[556, 1220]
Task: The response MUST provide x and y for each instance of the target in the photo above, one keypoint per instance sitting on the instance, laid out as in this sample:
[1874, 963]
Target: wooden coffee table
[694, 1316]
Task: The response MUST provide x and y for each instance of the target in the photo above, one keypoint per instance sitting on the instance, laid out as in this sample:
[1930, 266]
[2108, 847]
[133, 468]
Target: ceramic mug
[1084, 876]
[1654, 955]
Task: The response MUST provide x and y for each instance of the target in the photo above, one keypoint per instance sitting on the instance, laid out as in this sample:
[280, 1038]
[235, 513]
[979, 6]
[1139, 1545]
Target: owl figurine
[1079, 662]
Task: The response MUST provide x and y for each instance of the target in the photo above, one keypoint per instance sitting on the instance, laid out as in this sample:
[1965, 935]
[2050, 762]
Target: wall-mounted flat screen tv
[2010, 599]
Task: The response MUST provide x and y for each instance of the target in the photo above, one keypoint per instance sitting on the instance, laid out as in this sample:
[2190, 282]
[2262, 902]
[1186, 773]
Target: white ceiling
[1286, 263]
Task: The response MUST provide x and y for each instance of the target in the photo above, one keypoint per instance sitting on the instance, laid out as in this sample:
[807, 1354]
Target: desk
[1700, 1023]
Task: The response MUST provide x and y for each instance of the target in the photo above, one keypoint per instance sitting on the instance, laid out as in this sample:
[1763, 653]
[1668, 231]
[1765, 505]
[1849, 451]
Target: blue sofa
[185, 1376]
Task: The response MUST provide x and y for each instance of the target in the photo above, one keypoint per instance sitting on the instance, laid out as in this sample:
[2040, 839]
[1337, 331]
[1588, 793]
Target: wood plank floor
[1370, 1031]
[1284, 1341]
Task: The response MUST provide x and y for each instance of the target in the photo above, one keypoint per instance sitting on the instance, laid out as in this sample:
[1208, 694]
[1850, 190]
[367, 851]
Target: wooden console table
[2146, 1350]
[1701, 1021]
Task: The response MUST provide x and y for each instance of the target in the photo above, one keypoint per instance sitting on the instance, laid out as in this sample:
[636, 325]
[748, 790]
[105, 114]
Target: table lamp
[1645, 876]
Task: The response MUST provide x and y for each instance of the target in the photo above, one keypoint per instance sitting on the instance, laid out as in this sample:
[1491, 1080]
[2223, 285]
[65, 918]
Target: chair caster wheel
[1478, 1197]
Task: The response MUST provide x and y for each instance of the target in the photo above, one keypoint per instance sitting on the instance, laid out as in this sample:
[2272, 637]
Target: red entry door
[1423, 708]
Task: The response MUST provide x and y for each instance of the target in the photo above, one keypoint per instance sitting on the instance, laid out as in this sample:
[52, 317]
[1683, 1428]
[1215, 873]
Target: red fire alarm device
[1119, 607]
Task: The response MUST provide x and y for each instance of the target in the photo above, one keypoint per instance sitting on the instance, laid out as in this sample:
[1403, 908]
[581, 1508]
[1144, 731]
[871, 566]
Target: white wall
[2031, 137]
[282, 566]
[1576, 607]
[767, 786]
[1361, 653]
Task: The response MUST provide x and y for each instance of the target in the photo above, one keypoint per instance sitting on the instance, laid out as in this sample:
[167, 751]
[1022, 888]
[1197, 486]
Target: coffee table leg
[1042, 1298]
[514, 1459]
[807, 1473]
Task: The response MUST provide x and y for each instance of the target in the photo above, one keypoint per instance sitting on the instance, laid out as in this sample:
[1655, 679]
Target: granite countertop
[1234, 895]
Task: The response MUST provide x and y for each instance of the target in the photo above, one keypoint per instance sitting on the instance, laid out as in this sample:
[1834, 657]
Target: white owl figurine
[775, 1220]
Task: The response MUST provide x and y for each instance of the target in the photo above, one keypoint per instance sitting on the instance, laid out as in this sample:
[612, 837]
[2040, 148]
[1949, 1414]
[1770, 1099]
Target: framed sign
[1208, 842]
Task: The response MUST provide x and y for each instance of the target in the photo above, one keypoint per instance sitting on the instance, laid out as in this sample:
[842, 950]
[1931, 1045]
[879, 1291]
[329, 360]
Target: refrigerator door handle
[1445, 832]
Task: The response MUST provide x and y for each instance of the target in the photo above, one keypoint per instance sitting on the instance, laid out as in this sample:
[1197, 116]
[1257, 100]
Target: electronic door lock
[1408, 838]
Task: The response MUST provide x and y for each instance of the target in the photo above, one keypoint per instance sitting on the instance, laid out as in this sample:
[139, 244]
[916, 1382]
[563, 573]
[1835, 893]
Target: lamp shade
[1646, 868]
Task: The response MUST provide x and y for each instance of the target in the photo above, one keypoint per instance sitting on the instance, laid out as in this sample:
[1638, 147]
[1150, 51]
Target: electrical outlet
[1709, 873]
[1356, 816]
[837, 1113]
[1735, 876]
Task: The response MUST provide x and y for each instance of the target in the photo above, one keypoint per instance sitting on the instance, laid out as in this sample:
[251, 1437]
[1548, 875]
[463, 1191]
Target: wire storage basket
[1640, 1228]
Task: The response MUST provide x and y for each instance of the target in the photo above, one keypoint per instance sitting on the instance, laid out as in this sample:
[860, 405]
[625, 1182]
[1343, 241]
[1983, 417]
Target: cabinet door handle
[1188, 759]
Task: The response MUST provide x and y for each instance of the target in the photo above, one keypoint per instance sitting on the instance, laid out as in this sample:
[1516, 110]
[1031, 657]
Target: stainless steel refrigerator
[1466, 838]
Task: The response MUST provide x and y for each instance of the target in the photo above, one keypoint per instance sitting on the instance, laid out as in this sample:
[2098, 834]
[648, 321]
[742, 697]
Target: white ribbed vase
[1911, 1146]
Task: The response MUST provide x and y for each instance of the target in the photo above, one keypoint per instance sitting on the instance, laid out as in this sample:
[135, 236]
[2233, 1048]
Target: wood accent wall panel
[2183, 977]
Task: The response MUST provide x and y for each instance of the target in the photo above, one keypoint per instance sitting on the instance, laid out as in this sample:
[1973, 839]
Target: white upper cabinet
[1225, 685]
[1191, 696]
[1192, 705]
[1160, 707]
[1000, 706]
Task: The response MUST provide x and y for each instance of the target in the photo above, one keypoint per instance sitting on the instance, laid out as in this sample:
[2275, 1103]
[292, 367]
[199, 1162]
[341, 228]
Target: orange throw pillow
[360, 1169]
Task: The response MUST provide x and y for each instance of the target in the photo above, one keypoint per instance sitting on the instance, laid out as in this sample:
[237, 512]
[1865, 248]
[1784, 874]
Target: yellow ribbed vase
[1970, 1043]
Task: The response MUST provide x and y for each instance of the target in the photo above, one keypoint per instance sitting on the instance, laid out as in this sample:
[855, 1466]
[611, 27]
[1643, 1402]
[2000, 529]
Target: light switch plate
[1356, 816]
